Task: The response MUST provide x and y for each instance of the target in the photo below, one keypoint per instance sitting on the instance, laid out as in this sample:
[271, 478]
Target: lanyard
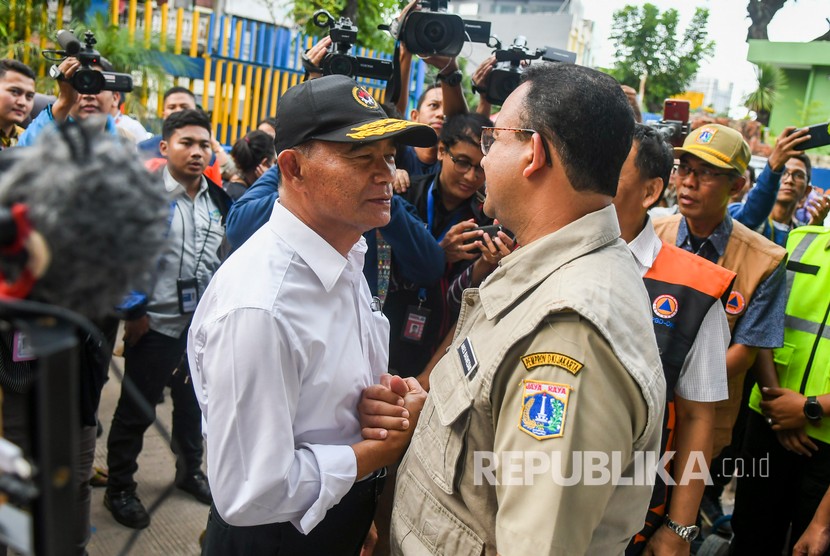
[431, 213]
[184, 234]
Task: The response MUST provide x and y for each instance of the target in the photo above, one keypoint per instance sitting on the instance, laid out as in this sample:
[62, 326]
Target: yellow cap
[718, 145]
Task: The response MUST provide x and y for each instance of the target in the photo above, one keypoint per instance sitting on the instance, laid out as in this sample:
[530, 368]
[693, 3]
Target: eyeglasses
[795, 175]
[463, 166]
[704, 175]
[488, 137]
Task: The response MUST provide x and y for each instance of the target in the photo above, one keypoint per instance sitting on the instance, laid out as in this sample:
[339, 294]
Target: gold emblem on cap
[378, 128]
[364, 98]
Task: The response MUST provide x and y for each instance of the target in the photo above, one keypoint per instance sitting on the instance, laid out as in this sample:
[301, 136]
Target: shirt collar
[646, 246]
[174, 187]
[323, 259]
[525, 268]
[718, 238]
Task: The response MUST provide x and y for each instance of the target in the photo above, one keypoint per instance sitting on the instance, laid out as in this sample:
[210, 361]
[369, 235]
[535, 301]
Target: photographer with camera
[449, 201]
[71, 104]
[770, 206]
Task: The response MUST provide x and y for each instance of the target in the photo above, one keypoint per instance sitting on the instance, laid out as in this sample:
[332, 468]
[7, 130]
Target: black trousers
[766, 506]
[341, 533]
[148, 367]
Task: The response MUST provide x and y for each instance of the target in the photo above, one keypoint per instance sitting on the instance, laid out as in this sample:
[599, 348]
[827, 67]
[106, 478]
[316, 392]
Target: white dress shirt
[281, 347]
[703, 377]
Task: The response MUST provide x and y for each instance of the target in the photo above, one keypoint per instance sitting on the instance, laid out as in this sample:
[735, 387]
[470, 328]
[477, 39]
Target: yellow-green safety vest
[803, 362]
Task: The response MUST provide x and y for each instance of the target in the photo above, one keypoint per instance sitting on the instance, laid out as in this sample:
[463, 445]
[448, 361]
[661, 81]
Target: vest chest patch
[665, 306]
[544, 408]
[736, 303]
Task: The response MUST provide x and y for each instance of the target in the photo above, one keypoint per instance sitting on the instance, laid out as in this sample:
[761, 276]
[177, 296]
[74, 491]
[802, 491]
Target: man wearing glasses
[449, 202]
[713, 160]
[554, 354]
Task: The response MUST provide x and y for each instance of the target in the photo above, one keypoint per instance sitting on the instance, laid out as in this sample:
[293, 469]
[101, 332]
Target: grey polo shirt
[193, 240]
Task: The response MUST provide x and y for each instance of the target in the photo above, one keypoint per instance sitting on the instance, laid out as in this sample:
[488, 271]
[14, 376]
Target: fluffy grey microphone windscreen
[103, 216]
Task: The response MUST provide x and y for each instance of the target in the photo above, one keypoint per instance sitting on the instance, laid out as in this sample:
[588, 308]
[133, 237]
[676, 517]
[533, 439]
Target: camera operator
[17, 93]
[70, 104]
[770, 206]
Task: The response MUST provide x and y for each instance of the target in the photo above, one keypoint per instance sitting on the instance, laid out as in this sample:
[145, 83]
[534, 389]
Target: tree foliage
[649, 43]
[366, 14]
[771, 80]
[761, 13]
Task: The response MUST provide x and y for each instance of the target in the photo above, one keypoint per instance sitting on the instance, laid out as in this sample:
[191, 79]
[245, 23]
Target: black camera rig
[339, 60]
[88, 81]
[433, 31]
[507, 72]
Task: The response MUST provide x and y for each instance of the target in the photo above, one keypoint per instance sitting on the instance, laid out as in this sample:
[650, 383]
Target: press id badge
[415, 324]
[188, 290]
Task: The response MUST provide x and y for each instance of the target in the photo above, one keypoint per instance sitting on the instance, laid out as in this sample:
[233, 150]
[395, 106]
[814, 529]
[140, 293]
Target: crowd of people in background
[337, 242]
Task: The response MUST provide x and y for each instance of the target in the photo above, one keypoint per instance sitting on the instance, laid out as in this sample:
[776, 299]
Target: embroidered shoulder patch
[544, 408]
[533, 360]
[665, 306]
[736, 303]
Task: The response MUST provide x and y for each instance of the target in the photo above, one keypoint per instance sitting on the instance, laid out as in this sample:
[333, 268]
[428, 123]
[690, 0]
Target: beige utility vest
[753, 258]
[577, 293]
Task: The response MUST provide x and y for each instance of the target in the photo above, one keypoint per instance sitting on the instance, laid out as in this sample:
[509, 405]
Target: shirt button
[471, 301]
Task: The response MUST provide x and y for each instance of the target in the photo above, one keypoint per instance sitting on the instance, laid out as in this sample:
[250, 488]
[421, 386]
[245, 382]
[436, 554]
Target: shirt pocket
[439, 439]
[782, 357]
[423, 526]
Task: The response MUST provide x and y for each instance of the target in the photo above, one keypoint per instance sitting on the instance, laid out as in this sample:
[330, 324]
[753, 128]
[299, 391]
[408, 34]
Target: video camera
[88, 81]
[339, 60]
[507, 72]
[674, 127]
[433, 31]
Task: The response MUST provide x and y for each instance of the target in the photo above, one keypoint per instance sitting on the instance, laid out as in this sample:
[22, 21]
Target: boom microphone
[101, 215]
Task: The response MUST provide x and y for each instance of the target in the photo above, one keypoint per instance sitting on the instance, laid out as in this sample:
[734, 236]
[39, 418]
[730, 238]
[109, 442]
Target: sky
[797, 21]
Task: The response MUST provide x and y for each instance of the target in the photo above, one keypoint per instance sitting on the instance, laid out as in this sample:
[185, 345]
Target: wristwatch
[686, 532]
[812, 409]
[453, 79]
[55, 72]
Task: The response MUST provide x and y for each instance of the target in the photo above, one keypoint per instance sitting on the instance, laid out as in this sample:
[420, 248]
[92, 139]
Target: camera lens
[435, 31]
[341, 65]
[88, 81]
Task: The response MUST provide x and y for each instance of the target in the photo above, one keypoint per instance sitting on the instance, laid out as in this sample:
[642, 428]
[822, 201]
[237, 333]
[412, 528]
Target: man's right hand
[786, 147]
[68, 96]
[135, 329]
[394, 405]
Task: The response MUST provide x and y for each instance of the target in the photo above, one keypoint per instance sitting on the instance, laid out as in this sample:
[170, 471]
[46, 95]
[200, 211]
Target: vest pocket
[439, 442]
[782, 357]
[435, 528]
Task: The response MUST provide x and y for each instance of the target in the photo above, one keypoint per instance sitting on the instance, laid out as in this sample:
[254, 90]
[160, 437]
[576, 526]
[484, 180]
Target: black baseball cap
[336, 108]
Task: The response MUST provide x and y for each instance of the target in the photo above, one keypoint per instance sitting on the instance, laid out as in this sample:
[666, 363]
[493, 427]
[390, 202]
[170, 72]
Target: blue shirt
[762, 325]
[754, 212]
[408, 160]
[149, 148]
[45, 120]
[417, 256]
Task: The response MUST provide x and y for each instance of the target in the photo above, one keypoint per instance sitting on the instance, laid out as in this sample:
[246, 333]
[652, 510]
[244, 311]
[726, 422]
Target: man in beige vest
[534, 433]
[713, 160]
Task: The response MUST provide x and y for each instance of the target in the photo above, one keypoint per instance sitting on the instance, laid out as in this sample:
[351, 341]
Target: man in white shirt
[688, 295]
[122, 121]
[288, 336]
